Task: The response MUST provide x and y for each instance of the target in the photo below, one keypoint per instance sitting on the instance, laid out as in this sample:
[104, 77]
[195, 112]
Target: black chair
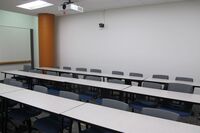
[89, 93]
[52, 73]
[165, 114]
[182, 108]
[27, 68]
[145, 101]
[67, 68]
[95, 70]
[160, 76]
[81, 69]
[25, 113]
[135, 74]
[66, 75]
[184, 79]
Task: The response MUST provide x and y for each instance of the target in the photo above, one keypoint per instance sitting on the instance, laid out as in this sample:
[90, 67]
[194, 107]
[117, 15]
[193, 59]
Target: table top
[34, 75]
[43, 101]
[194, 98]
[127, 122]
[92, 73]
[166, 81]
[85, 82]
[7, 88]
[99, 84]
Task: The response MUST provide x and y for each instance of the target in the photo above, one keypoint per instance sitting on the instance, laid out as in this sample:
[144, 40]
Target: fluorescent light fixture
[35, 5]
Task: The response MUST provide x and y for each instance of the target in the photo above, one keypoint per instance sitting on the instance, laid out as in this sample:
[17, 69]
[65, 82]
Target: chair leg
[29, 126]
[79, 127]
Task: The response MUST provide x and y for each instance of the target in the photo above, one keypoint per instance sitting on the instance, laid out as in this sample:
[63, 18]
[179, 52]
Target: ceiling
[88, 5]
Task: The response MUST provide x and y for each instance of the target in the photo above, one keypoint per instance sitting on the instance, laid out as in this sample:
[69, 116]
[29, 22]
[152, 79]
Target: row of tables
[129, 78]
[117, 120]
[186, 97]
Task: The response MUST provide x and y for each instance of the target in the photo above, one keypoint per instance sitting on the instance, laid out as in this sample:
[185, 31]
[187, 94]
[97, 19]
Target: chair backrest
[7, 81]
[70, 95]
[95, 70]
[160, 76]
[184, 79]
[67, 68]
[81, 69]
[118, 72]
[66, 75]
[180, 87]
[57, 67]
[115, 104]
[52, 73]
[35, 71]
[27, 68]
[16, 83]
[117, 81]
[161, 113]
[136, 74]
[152, 85]
[39, 88]
[196, 90]
[94, 78]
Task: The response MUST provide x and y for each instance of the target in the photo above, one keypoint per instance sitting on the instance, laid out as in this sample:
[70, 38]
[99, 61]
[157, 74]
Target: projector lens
[64, 6]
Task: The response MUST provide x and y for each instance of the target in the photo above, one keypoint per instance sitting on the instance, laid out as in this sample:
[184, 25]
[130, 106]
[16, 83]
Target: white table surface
[127, 122]
[34, 75]
[98, 84]
[194, 98]
[43, 101]
[92, 73]
[7, 88]
[172, 81]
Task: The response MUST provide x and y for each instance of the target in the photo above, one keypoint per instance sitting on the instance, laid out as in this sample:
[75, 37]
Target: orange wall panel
[46, 23]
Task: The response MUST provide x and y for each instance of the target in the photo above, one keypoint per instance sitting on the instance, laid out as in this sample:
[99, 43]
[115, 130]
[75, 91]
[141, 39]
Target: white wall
[22, 21]
[160, 39]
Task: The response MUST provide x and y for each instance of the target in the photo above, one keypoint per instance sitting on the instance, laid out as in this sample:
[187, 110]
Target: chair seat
[138, 105]
[98, 101]
[85, 98]
[51, 124]
[11, 103]
[181, 113]
[22, 114]
[53, 91]
[19, 115]
[47, 125]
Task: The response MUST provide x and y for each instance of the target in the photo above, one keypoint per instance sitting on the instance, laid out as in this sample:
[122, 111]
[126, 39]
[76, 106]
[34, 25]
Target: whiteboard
[14, 44]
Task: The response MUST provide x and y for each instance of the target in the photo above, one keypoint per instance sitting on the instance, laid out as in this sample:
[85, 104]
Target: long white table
[127, 122]
[165, 81]
[50, 103]
[117, 120]
[98, 84]
[7, 88]
[93, 74]
[193, 98]
[53, 104]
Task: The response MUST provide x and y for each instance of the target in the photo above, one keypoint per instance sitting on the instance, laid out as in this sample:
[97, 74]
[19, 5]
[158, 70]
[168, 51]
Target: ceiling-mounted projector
[70, 6]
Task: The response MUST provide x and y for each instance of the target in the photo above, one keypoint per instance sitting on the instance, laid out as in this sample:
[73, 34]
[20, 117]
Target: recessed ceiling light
[35, 5]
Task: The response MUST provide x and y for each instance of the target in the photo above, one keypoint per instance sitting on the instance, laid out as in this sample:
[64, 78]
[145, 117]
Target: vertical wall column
[46, 24]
